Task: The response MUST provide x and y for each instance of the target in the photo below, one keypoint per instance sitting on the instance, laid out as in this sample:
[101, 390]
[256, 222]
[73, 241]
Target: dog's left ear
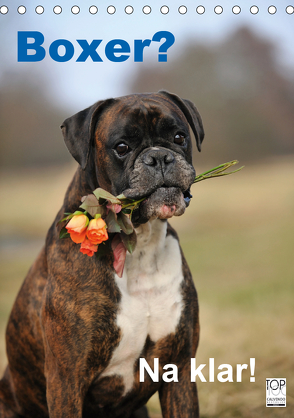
[78, 131]
[191, 113]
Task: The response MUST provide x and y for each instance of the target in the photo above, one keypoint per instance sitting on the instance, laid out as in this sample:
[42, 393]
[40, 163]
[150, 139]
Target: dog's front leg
[64, 397]
[179, 399]
[67, 375]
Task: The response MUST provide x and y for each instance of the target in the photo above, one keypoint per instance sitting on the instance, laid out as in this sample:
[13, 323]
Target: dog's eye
[122, 149]
[179, 139]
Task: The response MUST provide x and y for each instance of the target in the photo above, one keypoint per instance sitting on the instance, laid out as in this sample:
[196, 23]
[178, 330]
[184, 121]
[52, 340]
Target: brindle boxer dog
[77, 330]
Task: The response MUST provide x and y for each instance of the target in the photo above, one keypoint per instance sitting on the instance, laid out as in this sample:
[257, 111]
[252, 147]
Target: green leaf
[103, 249]
[68, 217]
[125, 223]
[129, 241]
[111, 222]
[127, 211]
[121, 196]
[91, 205]
[103, 194]
[63, 233]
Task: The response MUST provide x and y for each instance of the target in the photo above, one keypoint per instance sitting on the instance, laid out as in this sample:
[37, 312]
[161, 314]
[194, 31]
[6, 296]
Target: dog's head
[141, 147]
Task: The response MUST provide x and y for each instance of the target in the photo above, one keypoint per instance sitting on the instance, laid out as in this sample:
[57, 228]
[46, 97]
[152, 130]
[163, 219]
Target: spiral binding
[164, 10]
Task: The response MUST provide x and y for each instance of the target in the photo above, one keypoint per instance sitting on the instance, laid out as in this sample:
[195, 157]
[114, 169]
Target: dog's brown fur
[62, 329]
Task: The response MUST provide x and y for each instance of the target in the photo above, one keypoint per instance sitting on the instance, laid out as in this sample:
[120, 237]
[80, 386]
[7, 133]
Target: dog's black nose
[158, 158]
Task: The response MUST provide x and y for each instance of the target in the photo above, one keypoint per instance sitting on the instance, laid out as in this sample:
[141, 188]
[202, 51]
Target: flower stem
[217, 171]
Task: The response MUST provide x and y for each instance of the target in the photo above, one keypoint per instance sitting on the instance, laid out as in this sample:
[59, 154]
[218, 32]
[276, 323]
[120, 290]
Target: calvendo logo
[276, 392]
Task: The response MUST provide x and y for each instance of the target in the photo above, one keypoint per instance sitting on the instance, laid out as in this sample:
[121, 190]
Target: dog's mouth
[163, 203]
[165, 184]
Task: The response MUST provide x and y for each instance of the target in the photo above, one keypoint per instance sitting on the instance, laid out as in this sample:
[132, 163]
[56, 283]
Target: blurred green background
[238, 233]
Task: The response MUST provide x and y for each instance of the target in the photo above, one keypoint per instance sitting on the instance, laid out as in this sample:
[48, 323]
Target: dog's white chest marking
[151, 301]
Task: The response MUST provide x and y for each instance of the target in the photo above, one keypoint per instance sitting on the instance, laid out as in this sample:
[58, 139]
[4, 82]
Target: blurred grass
[238, 238]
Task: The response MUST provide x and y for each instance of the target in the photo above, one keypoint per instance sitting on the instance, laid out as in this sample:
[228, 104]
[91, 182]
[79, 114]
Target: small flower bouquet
[107, 221]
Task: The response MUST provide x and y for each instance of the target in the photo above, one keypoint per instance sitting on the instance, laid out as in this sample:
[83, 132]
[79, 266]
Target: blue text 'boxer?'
[30, 49]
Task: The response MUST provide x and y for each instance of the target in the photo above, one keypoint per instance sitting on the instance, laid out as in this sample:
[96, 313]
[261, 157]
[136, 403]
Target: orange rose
[88, 248]
[96, 231]
[77, 228]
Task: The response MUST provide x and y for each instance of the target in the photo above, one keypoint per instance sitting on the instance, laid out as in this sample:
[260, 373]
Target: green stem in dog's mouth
[218, 171]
